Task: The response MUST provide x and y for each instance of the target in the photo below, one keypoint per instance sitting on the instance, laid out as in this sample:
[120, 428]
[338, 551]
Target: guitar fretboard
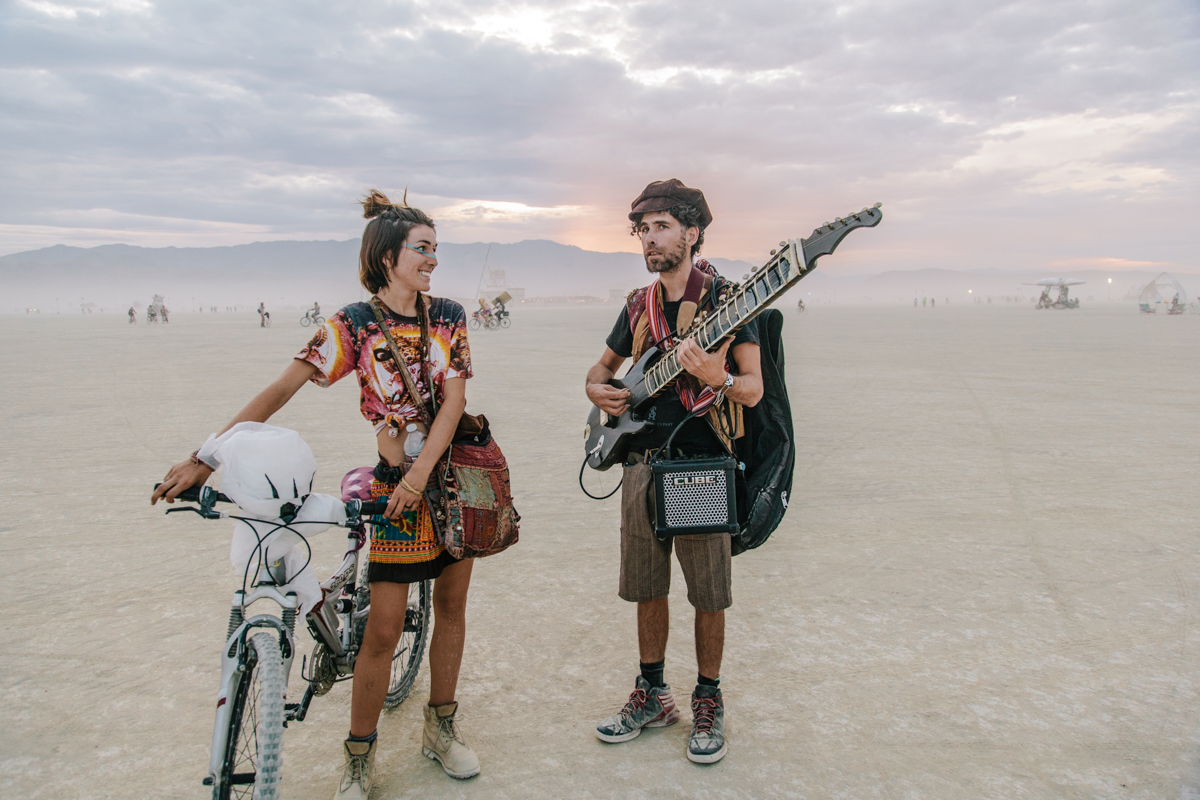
[741, 306]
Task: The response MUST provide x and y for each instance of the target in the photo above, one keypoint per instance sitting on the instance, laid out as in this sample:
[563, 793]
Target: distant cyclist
[263, 316]
[132, 316]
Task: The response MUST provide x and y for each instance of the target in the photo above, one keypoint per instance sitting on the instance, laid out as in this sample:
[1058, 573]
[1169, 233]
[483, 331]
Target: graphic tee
[351, 341]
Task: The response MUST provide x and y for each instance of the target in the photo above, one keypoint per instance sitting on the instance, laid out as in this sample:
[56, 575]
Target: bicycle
[245, 760]
[264, 319]
[311, 318]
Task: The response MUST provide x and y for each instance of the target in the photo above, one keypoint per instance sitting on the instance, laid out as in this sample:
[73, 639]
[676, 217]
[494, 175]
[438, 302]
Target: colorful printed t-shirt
[351, 341]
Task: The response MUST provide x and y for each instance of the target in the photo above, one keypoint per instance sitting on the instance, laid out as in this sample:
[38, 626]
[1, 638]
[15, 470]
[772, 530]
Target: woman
[395, 263]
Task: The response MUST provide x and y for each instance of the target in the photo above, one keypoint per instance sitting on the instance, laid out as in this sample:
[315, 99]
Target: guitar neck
[742, 304]
[787, 266]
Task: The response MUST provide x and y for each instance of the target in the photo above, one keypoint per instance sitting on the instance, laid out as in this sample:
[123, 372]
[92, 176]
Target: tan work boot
[360, 771]
[442, 742]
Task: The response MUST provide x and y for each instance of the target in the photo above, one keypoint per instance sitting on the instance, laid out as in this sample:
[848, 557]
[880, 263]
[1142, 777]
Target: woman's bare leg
[373, 668]
[449, 631]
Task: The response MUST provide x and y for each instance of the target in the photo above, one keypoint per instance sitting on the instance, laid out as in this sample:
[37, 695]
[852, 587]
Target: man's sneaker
[707, 743]
[647, 708]
[359, 772]
[443, 742]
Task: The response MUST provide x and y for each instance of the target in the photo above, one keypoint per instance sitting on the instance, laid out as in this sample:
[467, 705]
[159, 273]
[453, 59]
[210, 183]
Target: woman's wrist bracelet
[195, 459]
[404, 484]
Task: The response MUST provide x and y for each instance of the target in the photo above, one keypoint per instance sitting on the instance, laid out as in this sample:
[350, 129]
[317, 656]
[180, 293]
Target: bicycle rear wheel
[406, 661]
[473, 323]
[305, 321]
[254, 747]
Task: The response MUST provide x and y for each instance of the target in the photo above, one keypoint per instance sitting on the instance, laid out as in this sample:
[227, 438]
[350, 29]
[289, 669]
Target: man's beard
[668, 260]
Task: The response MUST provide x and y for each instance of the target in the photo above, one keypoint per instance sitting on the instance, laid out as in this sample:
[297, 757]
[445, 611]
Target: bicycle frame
[328, 624]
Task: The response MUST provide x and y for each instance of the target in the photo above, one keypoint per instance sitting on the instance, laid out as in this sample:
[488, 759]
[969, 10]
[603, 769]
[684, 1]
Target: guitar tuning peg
[783, 244]
[746, 277]
[878, 205]
[864, 208]
[773, 252]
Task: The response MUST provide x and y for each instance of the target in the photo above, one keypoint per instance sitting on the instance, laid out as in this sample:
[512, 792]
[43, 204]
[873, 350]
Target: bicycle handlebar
[206, 496]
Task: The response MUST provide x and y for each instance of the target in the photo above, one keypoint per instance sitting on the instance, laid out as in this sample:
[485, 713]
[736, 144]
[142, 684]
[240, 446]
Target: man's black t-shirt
[696, 437]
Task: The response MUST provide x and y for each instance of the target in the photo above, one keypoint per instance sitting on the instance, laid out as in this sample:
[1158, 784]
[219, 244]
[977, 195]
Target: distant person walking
[933, 302]
[396, 261]
[914, 302]
[132, 316]
[924, 301]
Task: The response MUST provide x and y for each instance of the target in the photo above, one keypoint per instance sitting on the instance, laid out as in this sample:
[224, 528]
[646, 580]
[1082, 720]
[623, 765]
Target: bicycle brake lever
[206, 515]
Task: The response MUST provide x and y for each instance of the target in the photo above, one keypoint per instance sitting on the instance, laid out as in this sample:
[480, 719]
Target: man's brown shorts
[646, 562]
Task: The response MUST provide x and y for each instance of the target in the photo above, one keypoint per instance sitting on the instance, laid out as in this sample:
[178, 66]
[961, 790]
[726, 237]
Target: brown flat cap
[662, 195]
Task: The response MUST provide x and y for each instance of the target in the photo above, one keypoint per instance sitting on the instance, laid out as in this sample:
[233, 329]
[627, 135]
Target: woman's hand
[402, 499]
[183, 475]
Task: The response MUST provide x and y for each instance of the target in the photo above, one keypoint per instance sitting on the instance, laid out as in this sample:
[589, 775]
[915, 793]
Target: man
[670, 220]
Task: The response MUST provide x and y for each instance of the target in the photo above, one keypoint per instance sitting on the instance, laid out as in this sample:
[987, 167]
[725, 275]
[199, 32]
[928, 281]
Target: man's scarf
[660, 332]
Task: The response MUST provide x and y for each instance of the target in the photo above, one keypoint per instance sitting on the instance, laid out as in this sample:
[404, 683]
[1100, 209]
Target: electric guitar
[607, 437]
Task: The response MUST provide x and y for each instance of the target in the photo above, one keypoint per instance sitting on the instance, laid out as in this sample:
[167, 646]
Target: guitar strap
[724, 418]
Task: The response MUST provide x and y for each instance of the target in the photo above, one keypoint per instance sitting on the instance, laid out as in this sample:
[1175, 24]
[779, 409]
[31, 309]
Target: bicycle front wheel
[406, 661]
[505, 322]
[493, 324]
[254, 747]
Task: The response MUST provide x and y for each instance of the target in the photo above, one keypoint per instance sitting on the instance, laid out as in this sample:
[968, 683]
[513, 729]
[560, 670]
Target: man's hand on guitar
[708, 367]
[609, 399]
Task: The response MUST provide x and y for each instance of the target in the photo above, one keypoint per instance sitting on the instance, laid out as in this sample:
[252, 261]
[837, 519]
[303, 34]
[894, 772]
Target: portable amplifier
[694, 496]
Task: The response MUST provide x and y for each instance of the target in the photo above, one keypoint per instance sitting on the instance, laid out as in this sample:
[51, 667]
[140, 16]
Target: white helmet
[268, 471]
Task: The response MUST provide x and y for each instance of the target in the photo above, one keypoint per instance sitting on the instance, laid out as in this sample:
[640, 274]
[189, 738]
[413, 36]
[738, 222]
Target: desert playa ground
[986, 585]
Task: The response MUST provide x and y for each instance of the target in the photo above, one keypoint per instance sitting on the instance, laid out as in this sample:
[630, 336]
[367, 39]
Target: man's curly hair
[688, 217]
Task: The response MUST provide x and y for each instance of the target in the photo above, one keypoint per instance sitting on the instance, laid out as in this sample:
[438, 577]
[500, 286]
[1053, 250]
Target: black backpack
[768, 448]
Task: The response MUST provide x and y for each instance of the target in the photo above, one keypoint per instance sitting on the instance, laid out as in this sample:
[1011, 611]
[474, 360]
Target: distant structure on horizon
[494, 282]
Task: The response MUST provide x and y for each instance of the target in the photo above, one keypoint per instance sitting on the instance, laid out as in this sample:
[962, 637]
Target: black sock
[703, 681]
[653, 673]
[368, 739]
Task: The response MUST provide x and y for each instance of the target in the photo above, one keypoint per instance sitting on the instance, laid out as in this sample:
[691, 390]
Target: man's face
[665, 242]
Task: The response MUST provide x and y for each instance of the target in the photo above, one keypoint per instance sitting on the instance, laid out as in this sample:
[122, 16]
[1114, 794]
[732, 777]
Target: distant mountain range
[295, 273]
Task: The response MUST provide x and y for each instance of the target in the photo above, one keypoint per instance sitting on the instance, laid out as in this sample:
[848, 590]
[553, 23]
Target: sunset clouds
[996, 134]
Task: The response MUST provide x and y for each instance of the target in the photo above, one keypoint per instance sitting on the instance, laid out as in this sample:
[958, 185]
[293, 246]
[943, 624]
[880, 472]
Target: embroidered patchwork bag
[472, 505]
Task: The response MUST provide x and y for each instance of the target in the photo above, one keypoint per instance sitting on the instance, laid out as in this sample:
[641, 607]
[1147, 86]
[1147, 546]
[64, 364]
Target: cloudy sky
[1052, 135]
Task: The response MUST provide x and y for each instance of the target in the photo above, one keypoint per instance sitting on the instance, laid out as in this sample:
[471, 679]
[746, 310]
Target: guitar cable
[582, 467]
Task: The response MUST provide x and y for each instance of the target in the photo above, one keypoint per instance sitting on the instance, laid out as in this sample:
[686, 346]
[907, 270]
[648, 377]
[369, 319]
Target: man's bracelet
[404, 483]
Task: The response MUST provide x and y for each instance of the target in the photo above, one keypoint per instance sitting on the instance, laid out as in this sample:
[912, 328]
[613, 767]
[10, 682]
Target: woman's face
[416, 260]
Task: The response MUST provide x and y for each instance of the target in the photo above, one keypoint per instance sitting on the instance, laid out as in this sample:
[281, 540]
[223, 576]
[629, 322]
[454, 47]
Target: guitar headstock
[825, 239]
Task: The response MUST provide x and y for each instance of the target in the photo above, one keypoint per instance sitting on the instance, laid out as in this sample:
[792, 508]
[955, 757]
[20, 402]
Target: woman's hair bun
[376, 203]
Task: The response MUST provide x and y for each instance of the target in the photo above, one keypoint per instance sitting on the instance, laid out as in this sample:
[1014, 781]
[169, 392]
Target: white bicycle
[256, 660]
